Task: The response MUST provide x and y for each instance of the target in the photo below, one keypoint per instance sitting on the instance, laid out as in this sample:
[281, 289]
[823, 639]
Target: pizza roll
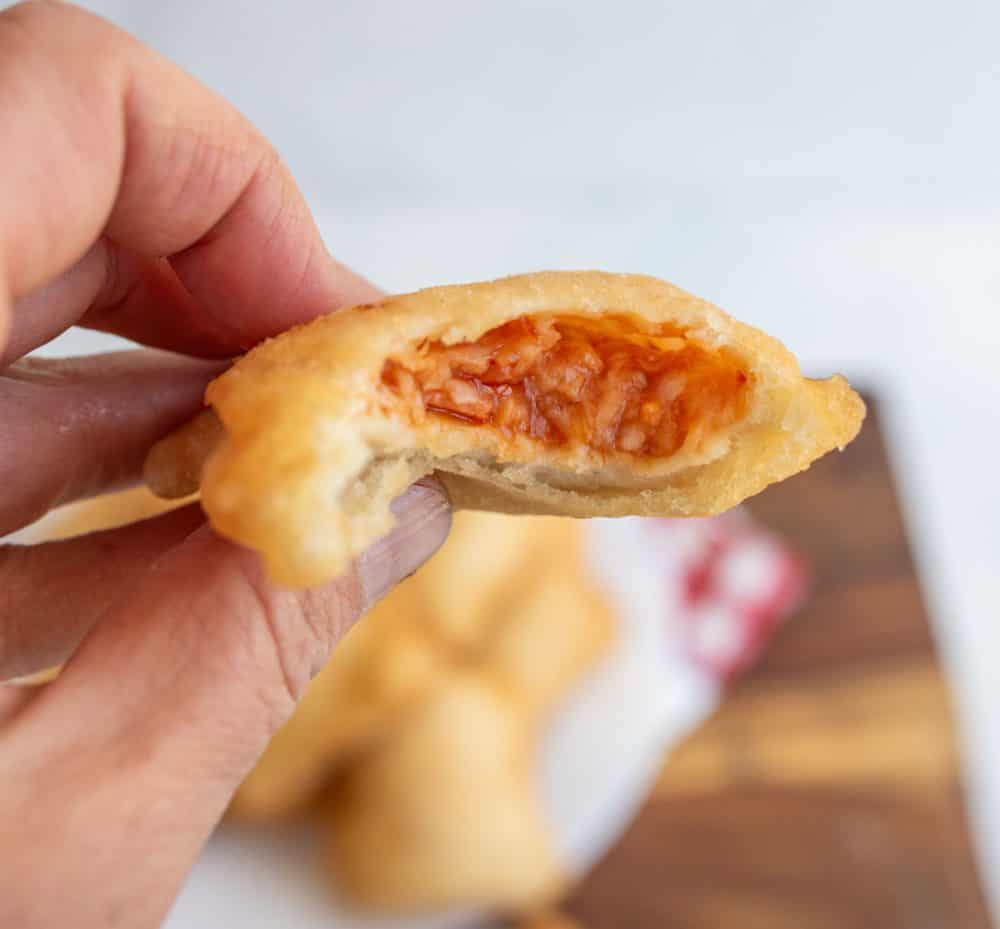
[531, 617]
[549, 639]
[381, 668]
[574, 393]
[483, 572]
[447, 813]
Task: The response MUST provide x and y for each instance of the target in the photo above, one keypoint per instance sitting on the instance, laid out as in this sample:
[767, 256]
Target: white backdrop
[830, 172]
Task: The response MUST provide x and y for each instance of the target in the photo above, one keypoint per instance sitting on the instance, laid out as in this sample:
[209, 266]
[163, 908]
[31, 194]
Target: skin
[133, 198]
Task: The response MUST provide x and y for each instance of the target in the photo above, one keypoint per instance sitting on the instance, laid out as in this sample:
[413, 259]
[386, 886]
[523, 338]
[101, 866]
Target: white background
[828, 171]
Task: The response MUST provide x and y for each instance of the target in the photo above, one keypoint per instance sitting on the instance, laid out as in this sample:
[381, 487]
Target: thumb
[133, 753]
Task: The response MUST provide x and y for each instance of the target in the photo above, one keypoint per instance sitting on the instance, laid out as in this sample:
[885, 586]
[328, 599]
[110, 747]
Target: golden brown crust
[311, 461]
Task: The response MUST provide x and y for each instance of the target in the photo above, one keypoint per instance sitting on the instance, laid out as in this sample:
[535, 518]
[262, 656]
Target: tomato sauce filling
[613, 384]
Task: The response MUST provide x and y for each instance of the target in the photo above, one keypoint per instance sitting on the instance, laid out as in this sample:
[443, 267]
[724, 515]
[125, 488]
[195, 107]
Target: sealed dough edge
[308, 460]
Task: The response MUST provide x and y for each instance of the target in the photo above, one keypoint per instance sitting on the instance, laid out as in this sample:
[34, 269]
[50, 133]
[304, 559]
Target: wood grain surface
[824, 793]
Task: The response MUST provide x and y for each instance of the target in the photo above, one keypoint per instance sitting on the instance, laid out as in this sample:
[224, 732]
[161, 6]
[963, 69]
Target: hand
[136, 202]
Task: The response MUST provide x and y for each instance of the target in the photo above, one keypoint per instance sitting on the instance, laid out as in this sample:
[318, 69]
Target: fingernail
[423, 518]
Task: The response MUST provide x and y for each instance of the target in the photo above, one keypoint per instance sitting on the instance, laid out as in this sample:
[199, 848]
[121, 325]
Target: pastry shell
[307, 458]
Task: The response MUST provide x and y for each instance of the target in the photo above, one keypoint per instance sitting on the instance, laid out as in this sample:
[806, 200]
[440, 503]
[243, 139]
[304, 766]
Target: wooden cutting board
[824, 793]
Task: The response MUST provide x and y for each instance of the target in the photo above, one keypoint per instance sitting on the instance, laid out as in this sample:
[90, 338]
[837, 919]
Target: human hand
[138, 203]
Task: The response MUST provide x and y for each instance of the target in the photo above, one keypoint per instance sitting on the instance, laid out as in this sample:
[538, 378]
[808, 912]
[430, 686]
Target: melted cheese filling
[612, 384]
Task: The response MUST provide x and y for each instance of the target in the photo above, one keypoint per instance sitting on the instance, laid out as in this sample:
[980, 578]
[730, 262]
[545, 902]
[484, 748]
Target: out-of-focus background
[829, 172]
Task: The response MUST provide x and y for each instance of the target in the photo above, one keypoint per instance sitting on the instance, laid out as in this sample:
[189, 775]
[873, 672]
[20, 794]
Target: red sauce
[564, 379]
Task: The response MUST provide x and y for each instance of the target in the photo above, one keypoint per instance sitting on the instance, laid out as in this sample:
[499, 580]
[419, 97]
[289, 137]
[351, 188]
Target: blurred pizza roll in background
[487, 564]
[531, 616]
[444, 811]
[548, 640]
[385, 663]
[447, 813]
[462, 590]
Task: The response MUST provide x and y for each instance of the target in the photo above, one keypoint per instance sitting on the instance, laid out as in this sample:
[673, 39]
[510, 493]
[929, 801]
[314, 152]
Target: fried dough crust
[310, 455]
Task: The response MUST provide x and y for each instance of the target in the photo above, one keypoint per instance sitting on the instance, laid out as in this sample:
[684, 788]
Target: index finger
[106, 142]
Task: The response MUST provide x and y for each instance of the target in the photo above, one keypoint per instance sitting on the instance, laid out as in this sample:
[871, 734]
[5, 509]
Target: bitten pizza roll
[575, 393]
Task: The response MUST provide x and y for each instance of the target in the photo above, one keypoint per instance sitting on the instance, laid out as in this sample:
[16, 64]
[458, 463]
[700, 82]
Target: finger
[74, 427]
[104, 137]
[146, 301]
[141, 299]
[43, 314]
[13, 699]
[51, 594]
[180, 688]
